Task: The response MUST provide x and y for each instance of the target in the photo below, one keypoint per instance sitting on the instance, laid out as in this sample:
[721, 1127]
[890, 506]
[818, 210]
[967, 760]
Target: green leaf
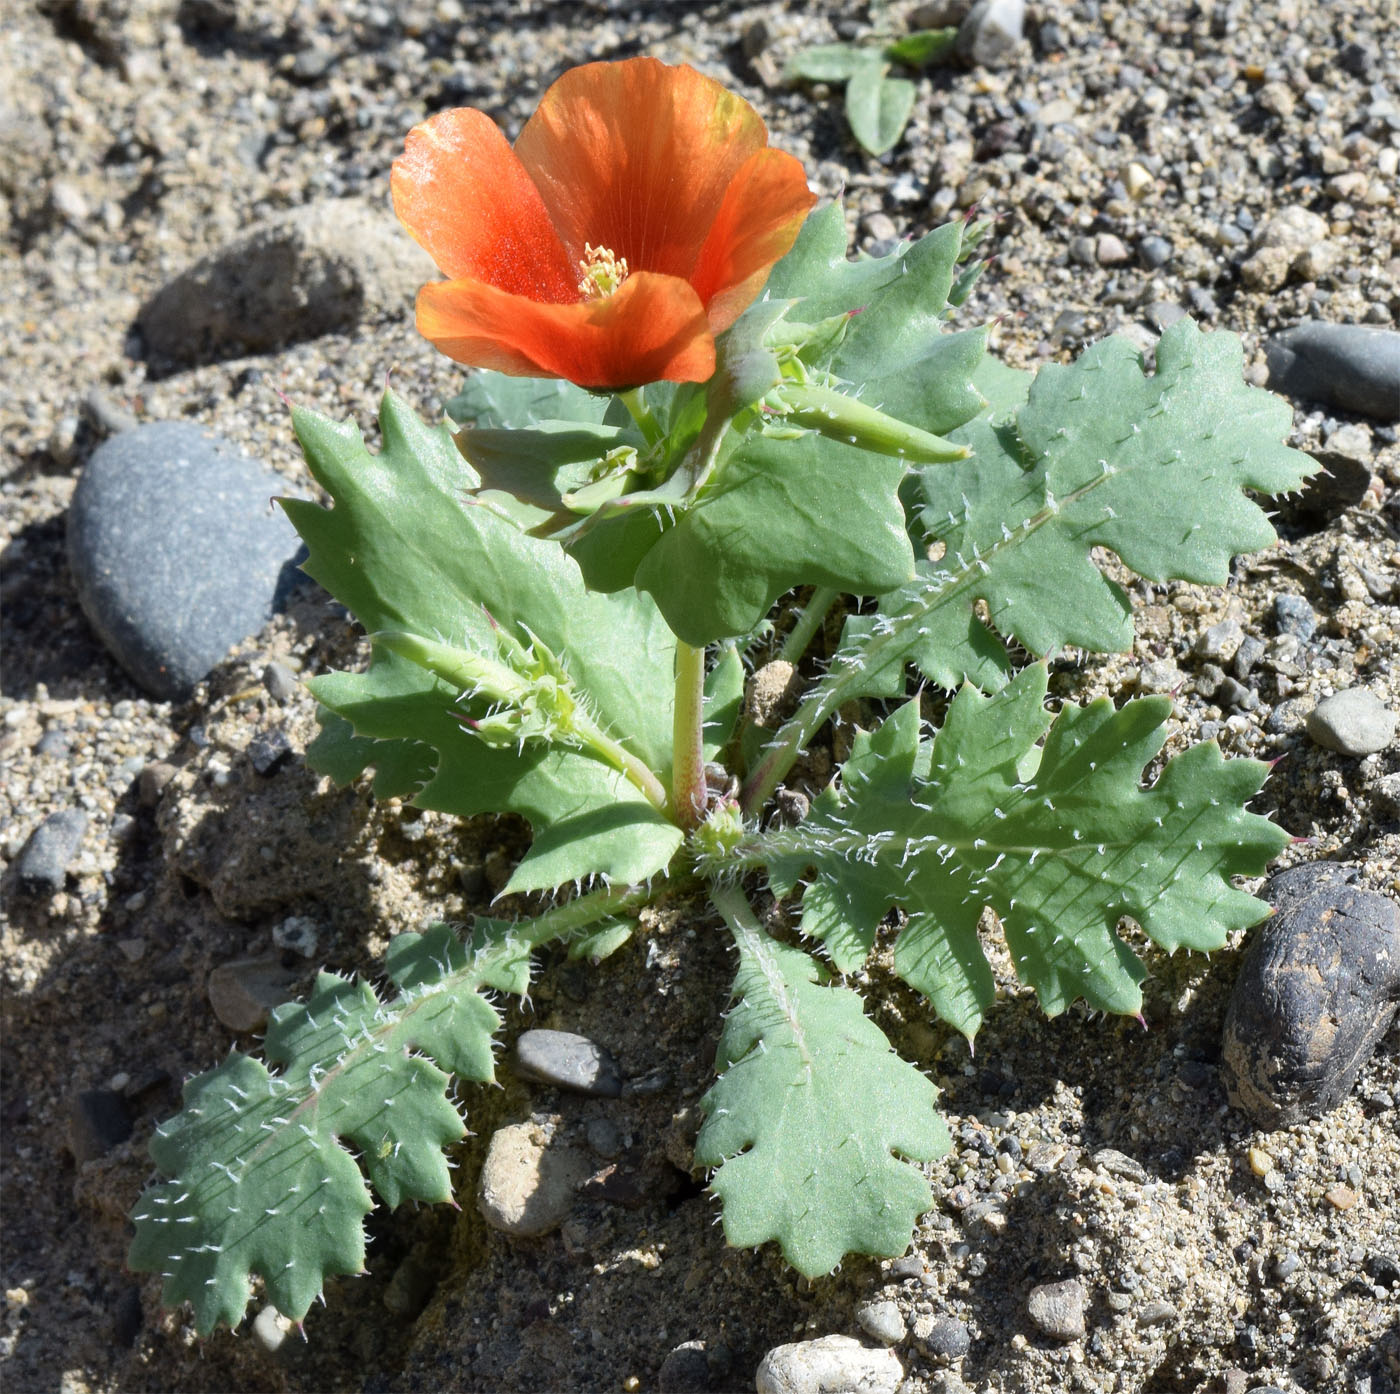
[1045, 821]
[825, 63]
[489, 399]
[922, 47]
[263, 1177]
[401, 768]
[406, 550]
[877, 105]
[1097, 454]
[811, 1117]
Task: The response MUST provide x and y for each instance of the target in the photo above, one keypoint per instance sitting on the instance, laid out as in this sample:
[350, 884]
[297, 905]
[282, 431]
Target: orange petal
[652, 328]
[756, 225]
[460, 190]
[636, 156]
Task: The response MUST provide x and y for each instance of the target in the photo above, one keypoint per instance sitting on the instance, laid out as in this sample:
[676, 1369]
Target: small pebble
[1286, 1265]
[1293, 615]
[1340, 1197]
[1354, 722]
[604, 1137]
[882, 1320]
[244, 991]
[946, 1338]
[991, 32]
[271, 1329]
[1157, 1314]
[1260, 1163]
[299, 933]
[685, 1370]
[42, 866]
[268, 751]
[828, 1365]
[567, 1061]
[280, 682]
[527, 1182]
[1057, 1309]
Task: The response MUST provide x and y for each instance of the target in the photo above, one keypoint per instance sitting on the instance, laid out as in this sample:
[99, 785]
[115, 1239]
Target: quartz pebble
[828, 1365]
[882, 1320]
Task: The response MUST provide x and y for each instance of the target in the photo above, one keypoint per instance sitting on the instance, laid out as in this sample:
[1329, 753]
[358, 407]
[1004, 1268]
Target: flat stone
[1354, 722]
[882, 1320]
[42, 865]
[1318, 988]
[244, 991]
[175, 551]
[527, 1183]
[1058, 1309]
[828, 1365]
[327, 266]
[1349, 366]
[991, 32]
[569, 1062]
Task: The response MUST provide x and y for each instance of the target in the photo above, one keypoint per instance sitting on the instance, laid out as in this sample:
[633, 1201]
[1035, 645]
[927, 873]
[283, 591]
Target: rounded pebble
[828, 1365]
[946, 1338]
[527, 1182]
[1355, 722]
[1057, 1309]
[244, 991]
[175, 551]
[882, 1320]
[42, 865]
[567, 1061]
[1340, 365]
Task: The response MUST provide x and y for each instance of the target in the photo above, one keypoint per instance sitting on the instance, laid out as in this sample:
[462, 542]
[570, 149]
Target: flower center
[602, 272]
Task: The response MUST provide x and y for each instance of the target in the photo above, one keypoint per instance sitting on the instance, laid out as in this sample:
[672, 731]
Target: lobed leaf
[812, 1119]
[263, 1180]
[406, 549]
[1044, 820]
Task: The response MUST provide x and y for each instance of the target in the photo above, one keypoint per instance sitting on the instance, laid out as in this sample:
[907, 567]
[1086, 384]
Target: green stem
[808, 623]
[689, 797]
[634, 399]
[581, 912]
[752, 941]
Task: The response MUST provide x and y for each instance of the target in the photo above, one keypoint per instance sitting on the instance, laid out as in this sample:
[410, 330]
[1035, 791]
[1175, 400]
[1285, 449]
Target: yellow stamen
[602, 272]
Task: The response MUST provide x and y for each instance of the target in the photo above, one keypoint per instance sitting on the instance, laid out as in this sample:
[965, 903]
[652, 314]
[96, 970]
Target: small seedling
[561, 586]
[878, 105]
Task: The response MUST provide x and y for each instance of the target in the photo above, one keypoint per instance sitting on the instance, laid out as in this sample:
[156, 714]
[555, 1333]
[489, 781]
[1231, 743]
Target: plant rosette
[687, 402]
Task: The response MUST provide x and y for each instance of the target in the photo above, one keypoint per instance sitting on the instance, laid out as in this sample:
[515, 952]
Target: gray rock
[1058, 1309]
[1340, 365]
[244, 991]
[325, 267]
[280, 682]
[1156, 1313]
[947, 1337]
[992, 31]
[1293, 615]
[1354, 722]
[298, 933]
[1154, 252]
[268, 751]
[828, 1365]
[685, 1370]
[882, 1320]
[527, 1183]
[568, 1062]
[1286, 1265]
[42, 865]
[1220, 640]
[175, 551]
[1250, 651]
[1317, 989]
[604, 1138]
[98, 1119]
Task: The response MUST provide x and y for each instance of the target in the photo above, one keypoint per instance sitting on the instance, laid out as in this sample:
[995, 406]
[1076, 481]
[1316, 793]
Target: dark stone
[1293, 615]
[567, 1061]
[947, 1337]
[686, 1370]
[1350, 366]
[42, 866]
[98, 1120]
[1317, 990]
[176, 553]
[269, 751]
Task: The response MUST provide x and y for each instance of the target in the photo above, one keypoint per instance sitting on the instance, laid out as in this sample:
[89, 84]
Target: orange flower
[638, 215]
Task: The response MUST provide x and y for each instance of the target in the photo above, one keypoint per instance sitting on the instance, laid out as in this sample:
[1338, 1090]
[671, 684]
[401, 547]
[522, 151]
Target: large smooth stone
[1352, 366]
[177, 551]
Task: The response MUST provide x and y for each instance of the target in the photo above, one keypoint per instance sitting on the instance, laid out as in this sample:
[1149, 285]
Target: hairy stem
[580, 912]
[688, 794]
[808, 623]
